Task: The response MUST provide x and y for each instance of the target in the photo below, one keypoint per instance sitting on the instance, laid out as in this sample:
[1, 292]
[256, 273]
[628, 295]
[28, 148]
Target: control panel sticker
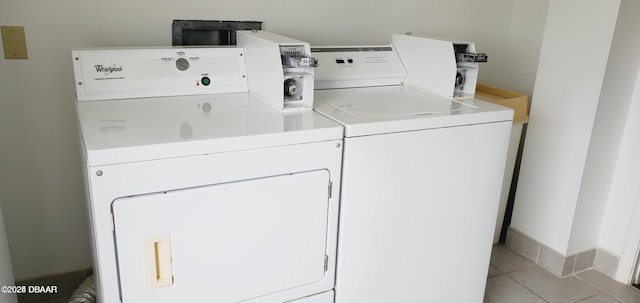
[376, 59]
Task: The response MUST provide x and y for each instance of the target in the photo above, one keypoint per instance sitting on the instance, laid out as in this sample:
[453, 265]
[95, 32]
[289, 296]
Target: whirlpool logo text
[108, 69]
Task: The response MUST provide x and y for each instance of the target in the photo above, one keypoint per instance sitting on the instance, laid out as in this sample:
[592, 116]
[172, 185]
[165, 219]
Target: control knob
[291, 87]
[182, 64]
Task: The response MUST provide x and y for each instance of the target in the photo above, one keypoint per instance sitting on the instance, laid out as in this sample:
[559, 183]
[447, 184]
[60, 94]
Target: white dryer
[421, 181]
[199, 191]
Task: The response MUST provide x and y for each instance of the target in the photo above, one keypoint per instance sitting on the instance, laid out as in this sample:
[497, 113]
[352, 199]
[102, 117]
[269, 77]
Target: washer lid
[131, 130]
[389, 109]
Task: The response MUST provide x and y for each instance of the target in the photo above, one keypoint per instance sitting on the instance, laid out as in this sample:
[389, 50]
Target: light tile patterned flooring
[515, 279]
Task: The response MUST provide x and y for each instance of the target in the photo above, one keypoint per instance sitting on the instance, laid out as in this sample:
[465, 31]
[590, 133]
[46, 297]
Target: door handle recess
[159, 268]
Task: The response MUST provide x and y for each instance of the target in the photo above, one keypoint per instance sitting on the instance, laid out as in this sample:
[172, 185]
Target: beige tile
[601, 298]
[625, 294]
[506, 260]
[598, 280]
[503, 289]
[551, 288]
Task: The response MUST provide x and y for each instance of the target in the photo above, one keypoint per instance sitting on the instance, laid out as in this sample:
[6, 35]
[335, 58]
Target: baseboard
[557, 263]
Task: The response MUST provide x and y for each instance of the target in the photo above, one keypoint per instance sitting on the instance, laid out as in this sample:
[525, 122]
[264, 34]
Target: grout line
[601, 293]
[587, 282]
[531, 291]
[614, 297]
[519, 268]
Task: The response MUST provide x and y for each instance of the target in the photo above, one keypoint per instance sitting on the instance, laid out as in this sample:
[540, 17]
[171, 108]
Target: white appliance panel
[388, 109]
[417, 214]
[110, 182]
[325, 297]
[407, 103]
[120, 131]
[136, 73]
[431, 64]
[267, 72]
[238, 240]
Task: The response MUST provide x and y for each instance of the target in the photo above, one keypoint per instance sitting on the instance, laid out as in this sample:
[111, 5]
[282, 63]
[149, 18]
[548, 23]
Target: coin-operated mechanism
[280, 69]
[443, 66]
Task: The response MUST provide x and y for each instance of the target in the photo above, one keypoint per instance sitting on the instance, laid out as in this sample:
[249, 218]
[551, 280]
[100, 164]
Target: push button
[205, 81]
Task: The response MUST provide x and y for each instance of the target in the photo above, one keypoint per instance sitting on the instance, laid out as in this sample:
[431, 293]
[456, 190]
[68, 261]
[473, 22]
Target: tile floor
[515, 279]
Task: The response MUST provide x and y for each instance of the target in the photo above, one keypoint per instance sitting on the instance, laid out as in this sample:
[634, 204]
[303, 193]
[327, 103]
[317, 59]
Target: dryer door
[227, 242]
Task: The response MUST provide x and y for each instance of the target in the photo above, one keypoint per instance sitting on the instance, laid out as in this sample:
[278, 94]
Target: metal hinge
[330, 187]
[326, 263]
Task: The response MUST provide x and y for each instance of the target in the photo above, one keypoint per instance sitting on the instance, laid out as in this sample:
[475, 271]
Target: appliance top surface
[389, 109]
[131, 130]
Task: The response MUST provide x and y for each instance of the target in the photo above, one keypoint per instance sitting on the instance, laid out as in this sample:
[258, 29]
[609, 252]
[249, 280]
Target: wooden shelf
[517, 101]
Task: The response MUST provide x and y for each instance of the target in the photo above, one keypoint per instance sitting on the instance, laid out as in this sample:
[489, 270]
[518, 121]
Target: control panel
[136, 73]
[357, 66]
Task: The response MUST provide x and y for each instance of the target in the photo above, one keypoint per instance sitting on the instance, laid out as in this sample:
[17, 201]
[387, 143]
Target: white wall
[523, 45]
[612, 176]
[620, 233]
[572, 64]
[40, 182]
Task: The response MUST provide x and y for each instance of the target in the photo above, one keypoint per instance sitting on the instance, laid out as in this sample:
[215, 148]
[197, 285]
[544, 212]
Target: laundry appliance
[421, 180]
[442, 66]
[198, 190]
[280, 69]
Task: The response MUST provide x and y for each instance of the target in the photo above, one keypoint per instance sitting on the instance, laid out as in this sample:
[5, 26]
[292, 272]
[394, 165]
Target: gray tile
[569, 264]
[522, 244]
[551, 288]
[503, 289]
[551, 260]
[625, 294]
[598, 280]
[601, 298]
[605, 263]
[584, 260]
[506, 260]
[555, 262]
[493, 272]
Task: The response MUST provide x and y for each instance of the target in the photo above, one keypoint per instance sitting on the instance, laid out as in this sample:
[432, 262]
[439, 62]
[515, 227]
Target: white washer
[197, 189]
[421, 181]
